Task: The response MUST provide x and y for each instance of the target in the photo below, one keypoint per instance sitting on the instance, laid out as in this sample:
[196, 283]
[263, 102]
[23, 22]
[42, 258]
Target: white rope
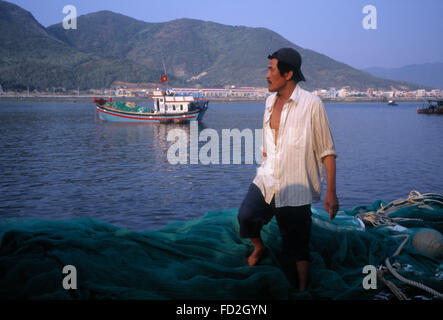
[403, 279]
[412, 283]
[415, 198]
[395, 290]
[406, 236]
[381, 218]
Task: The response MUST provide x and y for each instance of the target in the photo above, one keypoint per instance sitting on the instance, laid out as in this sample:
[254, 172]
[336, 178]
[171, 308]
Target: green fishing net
[205, 258]
[128, 107]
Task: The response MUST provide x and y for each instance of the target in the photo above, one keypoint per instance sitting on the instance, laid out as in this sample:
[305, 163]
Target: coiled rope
[415, 198]
[400, 295]
[381, 216]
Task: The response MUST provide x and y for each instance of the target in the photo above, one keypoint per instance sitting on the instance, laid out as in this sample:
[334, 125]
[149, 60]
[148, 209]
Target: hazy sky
[408, 31]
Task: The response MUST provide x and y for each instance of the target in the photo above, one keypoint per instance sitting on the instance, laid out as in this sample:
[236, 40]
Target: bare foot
[256, 256]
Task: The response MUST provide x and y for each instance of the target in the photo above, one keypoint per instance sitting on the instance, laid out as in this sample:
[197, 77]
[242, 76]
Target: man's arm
[263, 147]
[324, 147]
[331, 200]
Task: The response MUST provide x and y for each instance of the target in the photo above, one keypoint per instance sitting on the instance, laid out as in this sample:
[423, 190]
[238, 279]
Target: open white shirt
[293, 169]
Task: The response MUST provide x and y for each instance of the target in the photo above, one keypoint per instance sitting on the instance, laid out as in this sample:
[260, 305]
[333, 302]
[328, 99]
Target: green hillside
[31, 57]
[207, 53]
[108, 47]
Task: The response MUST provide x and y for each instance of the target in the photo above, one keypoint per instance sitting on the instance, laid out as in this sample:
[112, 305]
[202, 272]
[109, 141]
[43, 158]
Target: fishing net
[127, 107]
[205, 258]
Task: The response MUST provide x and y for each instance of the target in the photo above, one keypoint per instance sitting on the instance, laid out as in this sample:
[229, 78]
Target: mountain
[428, 74]
[24, 39]
[108, 47]
[207, 53]
[107, 34]
[31, 57]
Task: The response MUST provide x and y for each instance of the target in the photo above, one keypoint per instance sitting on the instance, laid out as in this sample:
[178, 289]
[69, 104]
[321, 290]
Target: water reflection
[148, 137]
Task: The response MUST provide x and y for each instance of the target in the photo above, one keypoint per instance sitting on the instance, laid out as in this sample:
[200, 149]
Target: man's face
[275, 80]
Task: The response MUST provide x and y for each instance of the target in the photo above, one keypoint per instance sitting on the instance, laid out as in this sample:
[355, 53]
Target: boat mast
[165, 76]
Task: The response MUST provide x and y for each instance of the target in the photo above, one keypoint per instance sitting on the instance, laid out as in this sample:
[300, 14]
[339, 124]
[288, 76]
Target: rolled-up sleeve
[263, 145]
[323, 142]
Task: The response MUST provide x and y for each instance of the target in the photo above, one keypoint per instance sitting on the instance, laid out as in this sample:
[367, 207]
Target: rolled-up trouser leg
[254, 212]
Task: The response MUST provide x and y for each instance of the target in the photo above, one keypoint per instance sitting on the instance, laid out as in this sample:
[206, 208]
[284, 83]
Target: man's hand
[331, 204]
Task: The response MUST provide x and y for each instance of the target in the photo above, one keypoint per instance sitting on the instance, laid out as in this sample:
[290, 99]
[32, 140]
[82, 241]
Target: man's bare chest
[276, 115]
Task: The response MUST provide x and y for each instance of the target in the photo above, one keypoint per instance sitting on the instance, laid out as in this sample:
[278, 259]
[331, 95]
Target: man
[297, 142]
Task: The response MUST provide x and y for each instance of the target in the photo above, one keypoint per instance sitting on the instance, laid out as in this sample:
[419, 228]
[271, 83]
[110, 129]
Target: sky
[407, 31]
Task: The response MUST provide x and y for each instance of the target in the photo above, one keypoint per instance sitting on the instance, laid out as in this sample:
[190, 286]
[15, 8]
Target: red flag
[164, 78]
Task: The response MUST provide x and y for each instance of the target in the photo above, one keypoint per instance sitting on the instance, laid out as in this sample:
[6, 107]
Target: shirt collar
[295, 96]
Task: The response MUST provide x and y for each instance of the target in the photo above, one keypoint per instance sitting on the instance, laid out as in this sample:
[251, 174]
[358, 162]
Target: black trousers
[294, 222]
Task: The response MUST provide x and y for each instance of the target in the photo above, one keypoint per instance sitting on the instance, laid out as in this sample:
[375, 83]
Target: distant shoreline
[89, 99]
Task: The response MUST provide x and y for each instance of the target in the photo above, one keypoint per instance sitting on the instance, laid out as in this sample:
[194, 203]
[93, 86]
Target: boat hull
[431, 106]
[106, 114]
[430, 111]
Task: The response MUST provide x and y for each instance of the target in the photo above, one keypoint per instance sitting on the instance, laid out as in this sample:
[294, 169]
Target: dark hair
[284, 67]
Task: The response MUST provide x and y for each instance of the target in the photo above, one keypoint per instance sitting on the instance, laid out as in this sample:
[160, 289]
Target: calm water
[58, 161]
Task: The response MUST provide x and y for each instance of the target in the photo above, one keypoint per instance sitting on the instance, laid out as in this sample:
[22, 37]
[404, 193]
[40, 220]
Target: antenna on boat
[163, 62]
[164, 78]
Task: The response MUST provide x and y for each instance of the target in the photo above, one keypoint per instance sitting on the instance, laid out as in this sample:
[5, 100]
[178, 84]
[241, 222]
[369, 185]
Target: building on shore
[331, 94]
[261, 93]
[143, 90]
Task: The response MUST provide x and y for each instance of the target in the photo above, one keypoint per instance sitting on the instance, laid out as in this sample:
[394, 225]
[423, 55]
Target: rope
[406, 236]
[415, 198]
[375, 219]
[395, 290]
[380, 217]
[392, 286]
[412, 283]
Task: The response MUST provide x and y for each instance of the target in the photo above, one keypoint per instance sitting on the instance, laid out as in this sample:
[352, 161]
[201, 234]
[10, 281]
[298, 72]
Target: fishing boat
[168, 107]
[431, 106]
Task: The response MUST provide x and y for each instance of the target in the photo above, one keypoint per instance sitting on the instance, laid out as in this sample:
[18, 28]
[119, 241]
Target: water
[58, 161]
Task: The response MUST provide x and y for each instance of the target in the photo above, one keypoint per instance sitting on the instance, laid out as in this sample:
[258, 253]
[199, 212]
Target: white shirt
[293, 169]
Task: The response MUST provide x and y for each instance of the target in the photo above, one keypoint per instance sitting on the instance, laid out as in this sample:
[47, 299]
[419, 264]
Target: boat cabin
[170, 102]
